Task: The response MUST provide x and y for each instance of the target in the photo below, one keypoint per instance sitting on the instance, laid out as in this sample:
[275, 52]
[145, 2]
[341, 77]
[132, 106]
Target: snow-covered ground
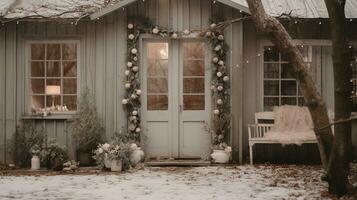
[240, 182]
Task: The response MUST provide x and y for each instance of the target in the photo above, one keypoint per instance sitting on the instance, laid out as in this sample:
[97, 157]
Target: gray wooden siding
[102, 62]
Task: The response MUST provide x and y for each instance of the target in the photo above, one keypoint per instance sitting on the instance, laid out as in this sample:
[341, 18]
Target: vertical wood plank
[163, 12]
[2, 92]
[195, 14]
[100, 65]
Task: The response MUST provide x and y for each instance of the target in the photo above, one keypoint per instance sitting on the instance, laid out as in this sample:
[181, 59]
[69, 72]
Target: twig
[340, 121]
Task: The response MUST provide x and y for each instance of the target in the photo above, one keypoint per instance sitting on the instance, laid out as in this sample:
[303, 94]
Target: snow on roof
[77, 8]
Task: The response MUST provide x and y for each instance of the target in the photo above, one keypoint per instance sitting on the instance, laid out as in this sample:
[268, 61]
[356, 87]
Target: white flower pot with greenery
[221, 155]
[116, 165]
[137, 155]
[35, 160]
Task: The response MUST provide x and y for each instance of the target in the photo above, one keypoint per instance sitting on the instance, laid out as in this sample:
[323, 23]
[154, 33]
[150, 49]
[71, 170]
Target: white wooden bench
[264, 121]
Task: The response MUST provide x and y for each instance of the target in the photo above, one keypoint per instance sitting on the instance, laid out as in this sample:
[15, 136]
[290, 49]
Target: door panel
[176, 98]
[194, 98]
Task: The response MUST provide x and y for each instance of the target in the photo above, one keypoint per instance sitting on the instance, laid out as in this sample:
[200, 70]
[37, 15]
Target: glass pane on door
[157, 76]
[193, 76]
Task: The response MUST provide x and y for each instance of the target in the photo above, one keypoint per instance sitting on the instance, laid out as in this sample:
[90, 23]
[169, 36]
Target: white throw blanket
[292, 125]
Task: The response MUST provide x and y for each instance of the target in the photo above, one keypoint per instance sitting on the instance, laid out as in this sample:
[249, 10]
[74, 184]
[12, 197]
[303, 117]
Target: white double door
[176, 98]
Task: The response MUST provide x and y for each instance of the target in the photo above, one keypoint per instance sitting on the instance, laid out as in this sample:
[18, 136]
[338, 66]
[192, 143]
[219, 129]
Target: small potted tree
[53, 156]
[87, 128]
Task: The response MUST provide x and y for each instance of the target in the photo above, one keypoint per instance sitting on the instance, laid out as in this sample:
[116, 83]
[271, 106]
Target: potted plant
[87, 128]
[35, 160]
[119, 154]
[221, 153]
[137, 155]
[53, 156]
[101, 156]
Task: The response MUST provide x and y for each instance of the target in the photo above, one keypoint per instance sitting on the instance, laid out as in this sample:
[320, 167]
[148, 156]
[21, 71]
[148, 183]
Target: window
[280, 86]
[53, 76]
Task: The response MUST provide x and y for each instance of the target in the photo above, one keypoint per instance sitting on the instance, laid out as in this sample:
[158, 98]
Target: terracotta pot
[85, 158]
[116, 165]
[220, 156]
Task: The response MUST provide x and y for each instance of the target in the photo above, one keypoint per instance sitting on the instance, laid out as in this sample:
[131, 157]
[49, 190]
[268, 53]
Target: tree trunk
[338, 165]
[281, 38]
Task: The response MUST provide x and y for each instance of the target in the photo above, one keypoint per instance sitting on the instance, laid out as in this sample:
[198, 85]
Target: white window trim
[260, 63]
[28, 75]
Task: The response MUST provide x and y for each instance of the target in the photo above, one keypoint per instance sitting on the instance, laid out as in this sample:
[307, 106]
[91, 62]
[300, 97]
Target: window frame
[28, 92]
[265, 42]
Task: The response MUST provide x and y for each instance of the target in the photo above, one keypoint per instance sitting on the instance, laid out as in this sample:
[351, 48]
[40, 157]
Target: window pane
[270, 102]
[37, 51]
[193, 68]
[157, 102]
[69, 69]
[69, 51]
[53, 52]
[271, 54]
[288, 101]
[193, 102]
[53, 82]
[288, 88]
[287, 71]
[70, 102]
[301, 101]
[157, 67]
[53, 100]
[157, 85]
[37, 69]
[38, 86]
[193, 50]
[271, 87]
[271, 70]
[69, 86]
[37, 102]
[158, 50]
[193, 85]
[53, 69]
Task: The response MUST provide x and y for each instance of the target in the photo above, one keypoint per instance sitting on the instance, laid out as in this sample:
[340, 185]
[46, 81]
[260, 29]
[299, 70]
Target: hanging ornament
[129, 64]
[221, 62]
[124, 101]
[133, 96]
[216, 112]
[127, 72]
[221, 37]
[219, 101]
[135, 58]
[138, 92]
[225, 78]
[186, 32]
[127, 85]
[220, 88]
[137, 130]
[219, 74]
[135, 113]
[215, 60]
[131, 36]
[135, 68]
[213, 25]
[218, 47]
[134, 51]
[208, 33]
[130, 26]
[133, 118]
[213, 87]
[155, 30]
[174, 35]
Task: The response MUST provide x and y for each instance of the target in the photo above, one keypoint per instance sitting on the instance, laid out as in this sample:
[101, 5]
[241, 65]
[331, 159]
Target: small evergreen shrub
[87, 127]
[25, 138]
[53, 156]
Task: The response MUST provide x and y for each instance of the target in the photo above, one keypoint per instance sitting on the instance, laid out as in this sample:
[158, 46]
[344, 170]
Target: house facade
[44, 63]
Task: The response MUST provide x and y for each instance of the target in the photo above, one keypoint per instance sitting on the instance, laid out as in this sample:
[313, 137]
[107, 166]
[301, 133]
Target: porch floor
[178, 163]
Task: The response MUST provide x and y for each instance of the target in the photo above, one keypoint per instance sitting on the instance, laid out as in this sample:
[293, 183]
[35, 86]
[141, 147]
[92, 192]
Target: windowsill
[50, 116]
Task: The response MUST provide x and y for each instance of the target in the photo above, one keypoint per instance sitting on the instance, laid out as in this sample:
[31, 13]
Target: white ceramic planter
[107, 163]
[35, 163]
[116, 165]
[136, 156]
[221, 156]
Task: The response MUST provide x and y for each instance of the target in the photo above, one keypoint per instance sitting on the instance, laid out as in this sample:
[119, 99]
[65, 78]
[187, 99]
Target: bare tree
[336, 165]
